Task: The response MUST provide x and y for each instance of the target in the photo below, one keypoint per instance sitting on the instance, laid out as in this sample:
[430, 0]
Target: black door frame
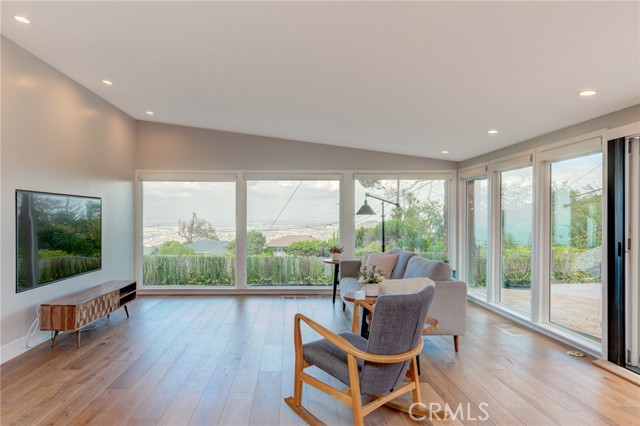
[616, 326]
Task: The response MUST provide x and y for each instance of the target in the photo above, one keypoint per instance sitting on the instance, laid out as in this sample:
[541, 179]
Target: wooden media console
[77, 310]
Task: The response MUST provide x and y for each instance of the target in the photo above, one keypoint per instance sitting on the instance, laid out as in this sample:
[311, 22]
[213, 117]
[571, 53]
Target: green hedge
[516, 265]
[302, 270]
[188, 270]
[220, 270]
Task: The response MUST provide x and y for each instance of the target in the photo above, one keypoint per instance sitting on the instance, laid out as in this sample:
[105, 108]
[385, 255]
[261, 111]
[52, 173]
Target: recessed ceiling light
[444, 152]
[107, 82]
[149, 112]
[587, 93]
[21, 19]
[493, 132]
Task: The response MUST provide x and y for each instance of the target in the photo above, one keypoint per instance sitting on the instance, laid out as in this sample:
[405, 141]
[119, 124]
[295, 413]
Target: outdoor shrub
[220, 270]
[516, 266]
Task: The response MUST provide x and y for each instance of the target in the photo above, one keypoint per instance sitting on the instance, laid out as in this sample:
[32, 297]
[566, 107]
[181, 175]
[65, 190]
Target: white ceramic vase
[371, 290]
[335, 256]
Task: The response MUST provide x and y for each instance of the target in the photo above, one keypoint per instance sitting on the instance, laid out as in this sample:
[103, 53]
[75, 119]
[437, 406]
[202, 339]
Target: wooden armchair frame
[351, 396]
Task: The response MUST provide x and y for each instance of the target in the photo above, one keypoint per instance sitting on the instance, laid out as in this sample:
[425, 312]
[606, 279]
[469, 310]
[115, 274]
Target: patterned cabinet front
[97, 308]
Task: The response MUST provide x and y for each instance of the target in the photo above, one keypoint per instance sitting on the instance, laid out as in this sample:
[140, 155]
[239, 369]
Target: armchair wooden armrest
[356, 313]
[343, 344]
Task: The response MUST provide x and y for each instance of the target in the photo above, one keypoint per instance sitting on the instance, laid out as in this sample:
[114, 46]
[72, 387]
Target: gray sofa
[449, 305]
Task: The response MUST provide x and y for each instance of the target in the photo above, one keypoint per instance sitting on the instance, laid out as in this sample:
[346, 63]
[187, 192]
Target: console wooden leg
[55, 336]
[126, 311]
[78, 338]
[455, 342]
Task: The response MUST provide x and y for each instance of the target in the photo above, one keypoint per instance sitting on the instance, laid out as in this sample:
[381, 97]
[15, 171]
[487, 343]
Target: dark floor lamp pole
[382, 215]
[367, 210]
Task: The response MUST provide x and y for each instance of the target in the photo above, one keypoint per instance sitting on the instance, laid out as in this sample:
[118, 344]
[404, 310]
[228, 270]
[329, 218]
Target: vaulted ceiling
[405, 77]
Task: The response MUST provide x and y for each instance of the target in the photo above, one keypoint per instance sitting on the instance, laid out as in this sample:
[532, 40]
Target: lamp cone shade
[365, 209]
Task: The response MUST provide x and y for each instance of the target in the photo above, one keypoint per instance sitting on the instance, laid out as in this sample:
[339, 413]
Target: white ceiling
[412, 77]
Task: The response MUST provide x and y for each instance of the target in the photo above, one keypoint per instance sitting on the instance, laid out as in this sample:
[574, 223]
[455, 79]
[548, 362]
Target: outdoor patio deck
[577, 307]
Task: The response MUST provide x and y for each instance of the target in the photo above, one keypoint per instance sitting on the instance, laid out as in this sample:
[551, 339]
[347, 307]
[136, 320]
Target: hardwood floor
[229, 361]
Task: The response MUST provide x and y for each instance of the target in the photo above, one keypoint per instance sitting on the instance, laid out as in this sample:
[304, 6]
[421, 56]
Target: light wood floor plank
[236, 409]
[266, 406]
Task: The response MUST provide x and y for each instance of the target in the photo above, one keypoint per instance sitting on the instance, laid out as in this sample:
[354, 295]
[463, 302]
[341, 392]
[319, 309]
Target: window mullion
[241, 232]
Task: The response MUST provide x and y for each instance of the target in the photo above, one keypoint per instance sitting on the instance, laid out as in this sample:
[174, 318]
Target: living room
[283, 117]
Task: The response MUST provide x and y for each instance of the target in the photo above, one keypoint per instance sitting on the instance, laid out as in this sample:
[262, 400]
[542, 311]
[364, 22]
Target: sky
[290, 202]
[269, 203]
[314, 203]
[166, 203]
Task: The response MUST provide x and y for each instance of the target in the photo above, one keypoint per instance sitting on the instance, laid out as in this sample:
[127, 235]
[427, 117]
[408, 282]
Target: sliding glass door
[516, 237]
[545, 239]
[575, 291]
[477, 234]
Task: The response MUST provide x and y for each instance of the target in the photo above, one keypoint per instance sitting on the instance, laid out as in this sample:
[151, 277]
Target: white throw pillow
[384, 263]
[405, 286]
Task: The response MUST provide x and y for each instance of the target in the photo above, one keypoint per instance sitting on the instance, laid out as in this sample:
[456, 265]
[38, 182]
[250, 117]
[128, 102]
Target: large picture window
[188, 233]
[420, 223]
[290, 226]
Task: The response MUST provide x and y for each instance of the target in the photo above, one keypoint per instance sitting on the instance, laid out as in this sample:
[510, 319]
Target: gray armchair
[374, 367]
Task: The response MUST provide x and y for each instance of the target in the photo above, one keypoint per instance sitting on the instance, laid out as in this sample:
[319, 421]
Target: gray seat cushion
[421, 267]
[328, 357]
[349, 284]
[401, 265]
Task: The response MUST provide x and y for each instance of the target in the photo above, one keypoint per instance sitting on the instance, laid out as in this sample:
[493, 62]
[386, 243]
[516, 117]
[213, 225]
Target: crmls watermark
[437, 412]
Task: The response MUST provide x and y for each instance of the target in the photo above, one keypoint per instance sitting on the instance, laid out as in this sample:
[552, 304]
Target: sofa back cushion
[384, 262]
[401, 265]
[421, 267]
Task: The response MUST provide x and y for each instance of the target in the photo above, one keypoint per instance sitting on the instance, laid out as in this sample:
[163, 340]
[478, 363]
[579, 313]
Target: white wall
[609, 121]
[57, 136]
[171, 147]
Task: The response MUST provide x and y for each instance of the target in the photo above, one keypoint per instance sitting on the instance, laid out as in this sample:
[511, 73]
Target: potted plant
[335, 251]
[371, 280]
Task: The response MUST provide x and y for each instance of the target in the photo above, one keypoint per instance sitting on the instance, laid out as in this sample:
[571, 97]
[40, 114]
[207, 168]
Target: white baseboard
[19, 346]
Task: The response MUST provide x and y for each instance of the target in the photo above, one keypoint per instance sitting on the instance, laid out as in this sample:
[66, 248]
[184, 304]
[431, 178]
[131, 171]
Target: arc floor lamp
[367, 210]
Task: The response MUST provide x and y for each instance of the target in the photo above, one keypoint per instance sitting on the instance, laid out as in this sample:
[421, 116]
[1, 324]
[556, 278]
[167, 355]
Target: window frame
[451, 187]
[348, 207]
[546, 156]
[280, 176]
[496, 167]
[535, 157]
[466, 174]
[150, 176]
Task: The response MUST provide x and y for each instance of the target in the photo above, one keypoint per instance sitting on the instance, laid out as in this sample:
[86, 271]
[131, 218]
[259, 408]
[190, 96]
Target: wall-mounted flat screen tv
[57, 236]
